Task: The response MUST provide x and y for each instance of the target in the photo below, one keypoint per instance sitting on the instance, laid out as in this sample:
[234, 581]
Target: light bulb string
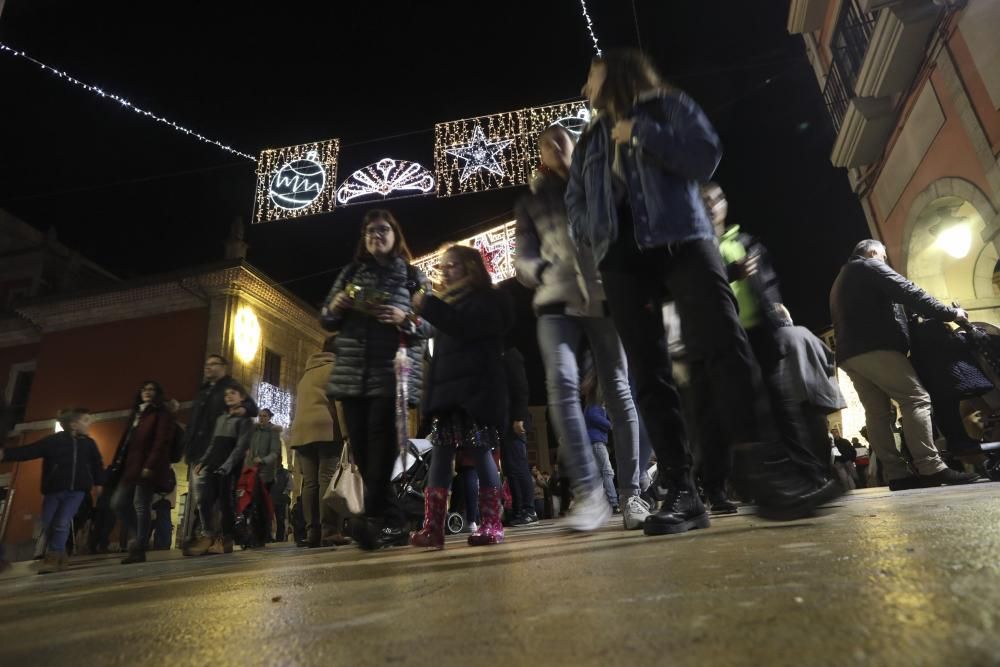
[97, 90]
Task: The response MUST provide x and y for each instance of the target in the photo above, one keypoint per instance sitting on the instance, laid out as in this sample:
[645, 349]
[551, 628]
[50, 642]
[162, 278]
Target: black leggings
[371, 425]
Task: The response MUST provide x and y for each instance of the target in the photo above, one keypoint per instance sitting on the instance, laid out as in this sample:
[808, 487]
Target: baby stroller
[961, 372]
[409, 492]
[254, 510]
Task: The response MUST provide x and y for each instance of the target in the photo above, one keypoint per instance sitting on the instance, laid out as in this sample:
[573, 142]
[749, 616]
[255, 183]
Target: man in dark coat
[515, 442]
[205, 410]
[872, 341]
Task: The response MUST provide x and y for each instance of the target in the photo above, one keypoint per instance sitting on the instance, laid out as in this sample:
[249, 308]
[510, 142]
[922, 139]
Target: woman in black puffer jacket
[370, 308]
[467, 391]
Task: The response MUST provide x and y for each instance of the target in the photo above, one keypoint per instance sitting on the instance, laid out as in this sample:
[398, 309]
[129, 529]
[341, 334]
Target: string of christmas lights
[97, 90]
[590, 27]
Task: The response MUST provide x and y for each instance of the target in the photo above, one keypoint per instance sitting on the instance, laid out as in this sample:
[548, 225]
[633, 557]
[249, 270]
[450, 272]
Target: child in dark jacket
[598, 426]
[216, 473]
[71, 467]
[467, 391]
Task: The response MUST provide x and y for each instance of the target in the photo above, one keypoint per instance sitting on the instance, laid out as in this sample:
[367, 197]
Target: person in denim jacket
[634, 198]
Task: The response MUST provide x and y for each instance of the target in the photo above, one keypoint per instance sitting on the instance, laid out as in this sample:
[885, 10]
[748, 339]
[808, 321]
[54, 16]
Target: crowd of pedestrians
[616, 227]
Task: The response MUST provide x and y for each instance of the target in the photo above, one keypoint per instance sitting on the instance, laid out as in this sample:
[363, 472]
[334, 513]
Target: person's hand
[197, 469]
[962, 317]
[146, 473]
[341, 301]
[742, 269]
[519, 428]
[256, 459]
[621, 133]
[390, 315]
[97, 490]
[418, 299]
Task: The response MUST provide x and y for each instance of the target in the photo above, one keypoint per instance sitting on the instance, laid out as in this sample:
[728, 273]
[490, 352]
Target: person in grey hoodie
[215, 475]
[265, 448]
[571, 309]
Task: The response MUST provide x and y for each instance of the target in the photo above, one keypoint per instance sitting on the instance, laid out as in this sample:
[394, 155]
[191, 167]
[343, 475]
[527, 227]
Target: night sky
[139, 198]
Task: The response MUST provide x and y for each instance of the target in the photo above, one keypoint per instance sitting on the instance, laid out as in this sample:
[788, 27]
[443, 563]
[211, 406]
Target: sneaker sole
[637, 523]
[702, 521]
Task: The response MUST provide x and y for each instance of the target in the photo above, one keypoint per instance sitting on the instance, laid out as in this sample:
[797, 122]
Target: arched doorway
[950, 247]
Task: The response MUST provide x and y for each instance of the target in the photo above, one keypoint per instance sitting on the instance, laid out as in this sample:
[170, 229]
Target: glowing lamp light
[956, 240]
[59, 427]
[247, 334]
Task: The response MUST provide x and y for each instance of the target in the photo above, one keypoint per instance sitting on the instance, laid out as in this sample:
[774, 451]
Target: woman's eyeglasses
[380, 232]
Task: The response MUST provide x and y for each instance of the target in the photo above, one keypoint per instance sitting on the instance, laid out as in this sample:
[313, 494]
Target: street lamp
[953, 234]
[246, 334]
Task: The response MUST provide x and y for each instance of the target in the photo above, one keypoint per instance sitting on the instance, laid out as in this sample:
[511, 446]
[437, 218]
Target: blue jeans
[560, 339]
[607, 472]
[162, 529]
[58, 510]
[133, 505]
[515, 467]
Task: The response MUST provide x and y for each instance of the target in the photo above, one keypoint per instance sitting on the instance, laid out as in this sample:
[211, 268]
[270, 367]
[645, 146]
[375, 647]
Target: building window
[272, 367]
[19, 392]
[848, 47]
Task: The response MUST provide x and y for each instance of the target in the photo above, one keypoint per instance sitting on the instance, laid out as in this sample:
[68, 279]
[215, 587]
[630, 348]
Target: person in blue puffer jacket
[598, 428]
[634, 198]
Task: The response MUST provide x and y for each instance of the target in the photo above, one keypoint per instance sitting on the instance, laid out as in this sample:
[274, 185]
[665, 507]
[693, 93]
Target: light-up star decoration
[480, 154]
[496, 245]
[384, 178]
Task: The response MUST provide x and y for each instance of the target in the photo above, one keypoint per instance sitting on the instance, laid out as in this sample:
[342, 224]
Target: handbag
[346, 493]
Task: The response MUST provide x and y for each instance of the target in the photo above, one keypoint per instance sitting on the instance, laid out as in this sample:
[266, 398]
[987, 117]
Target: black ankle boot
[135, 555]
[720, 502]
[681, 511]
[782, 490]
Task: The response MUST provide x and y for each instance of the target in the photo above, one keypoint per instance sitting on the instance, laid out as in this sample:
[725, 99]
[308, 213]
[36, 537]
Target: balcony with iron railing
[848, 47]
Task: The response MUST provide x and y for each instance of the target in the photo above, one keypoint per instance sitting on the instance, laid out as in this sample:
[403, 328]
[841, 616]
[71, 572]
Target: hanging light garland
[97, 90]
[590, 27]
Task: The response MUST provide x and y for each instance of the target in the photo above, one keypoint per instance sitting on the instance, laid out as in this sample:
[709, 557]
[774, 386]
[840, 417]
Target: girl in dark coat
[467, 390]
[370, 308]
[145, 452]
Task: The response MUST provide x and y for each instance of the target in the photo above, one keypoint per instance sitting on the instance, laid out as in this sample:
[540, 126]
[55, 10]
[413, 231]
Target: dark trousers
[515, 466]
[281, 529]
[162, 527]
[371, 424]
[317, 462]
[212, 488]
[801, 443]
[693, 275]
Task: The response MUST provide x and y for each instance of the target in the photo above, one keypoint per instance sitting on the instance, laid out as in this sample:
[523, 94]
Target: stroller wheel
[992, 466]
[455, 523]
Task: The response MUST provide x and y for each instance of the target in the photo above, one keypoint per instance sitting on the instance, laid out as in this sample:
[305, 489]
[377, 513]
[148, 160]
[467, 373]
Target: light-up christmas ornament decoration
[386, 178]
[296, 181]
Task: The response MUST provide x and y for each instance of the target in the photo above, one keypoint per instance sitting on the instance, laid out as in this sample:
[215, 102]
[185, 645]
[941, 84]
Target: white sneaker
[634, 513]
[590, 512]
